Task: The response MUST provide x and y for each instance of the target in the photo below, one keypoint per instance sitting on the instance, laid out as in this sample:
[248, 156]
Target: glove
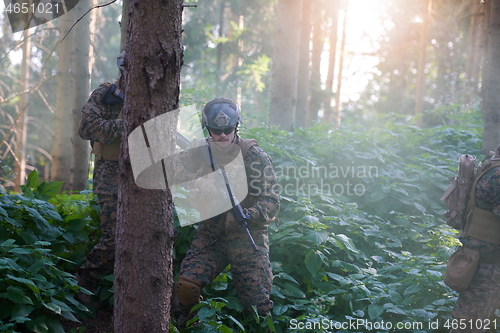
[231, 224]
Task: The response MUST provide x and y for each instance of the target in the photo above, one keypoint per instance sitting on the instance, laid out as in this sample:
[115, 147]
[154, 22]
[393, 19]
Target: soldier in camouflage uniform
[219, 240]
[476, 304]
[102, 124]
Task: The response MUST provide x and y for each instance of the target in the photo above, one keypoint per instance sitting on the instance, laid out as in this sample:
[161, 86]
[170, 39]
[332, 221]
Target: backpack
[457, 194]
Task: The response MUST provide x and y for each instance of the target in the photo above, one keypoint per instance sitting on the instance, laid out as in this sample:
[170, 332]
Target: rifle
[242, 218]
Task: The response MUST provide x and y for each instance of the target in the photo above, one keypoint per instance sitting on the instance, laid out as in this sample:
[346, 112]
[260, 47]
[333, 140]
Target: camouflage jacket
[99, 123]
[263, 203]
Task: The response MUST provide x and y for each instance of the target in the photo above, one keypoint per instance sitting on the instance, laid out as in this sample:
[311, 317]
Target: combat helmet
[221, 113]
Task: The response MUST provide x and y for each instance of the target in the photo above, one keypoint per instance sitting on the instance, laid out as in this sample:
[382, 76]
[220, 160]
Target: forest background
[387, 94]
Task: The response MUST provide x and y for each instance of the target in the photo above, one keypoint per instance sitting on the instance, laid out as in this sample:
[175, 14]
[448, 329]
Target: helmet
[220, 113]
[120, 61]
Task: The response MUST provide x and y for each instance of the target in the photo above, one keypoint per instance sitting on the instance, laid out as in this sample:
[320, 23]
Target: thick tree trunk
[491, 82]
[62, 148]
[20, 166]
[145, 236]
[304, 69]
[81, 90]
[285, 64]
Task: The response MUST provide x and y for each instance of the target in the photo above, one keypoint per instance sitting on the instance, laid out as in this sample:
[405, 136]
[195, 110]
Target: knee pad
[188, 291]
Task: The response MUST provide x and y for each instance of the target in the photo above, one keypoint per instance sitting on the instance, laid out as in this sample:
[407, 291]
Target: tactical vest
[482, 224]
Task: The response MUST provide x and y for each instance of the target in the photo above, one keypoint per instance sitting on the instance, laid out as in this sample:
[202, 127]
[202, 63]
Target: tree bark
[124, 24]
[144, 238]
[81, 91]
[304, 69]
[285, 64]
[62, 148]
[21, 126]
[491, 81]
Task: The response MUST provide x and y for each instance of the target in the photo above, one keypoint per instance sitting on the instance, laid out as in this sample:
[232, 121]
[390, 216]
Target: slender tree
[304, 69]
[80, 57]
[144, 239]
[422, 51]
[337, 110]
[285, 64]
[62, 148]
[318, 36]
[334, 14]
[21, 125]
[491, 86]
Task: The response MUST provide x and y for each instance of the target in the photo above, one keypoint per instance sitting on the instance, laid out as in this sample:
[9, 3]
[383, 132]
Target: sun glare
[364, 27]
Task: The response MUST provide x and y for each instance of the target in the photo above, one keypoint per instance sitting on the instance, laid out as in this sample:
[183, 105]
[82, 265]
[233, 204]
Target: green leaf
[50, 189]
[316, 237]
[237, 323]
[313, 262]
[374, 311]
[54, 325]
[16, 295]
[292, 290]
[414, 288]
[346, 242]
[29, 283]
[33, 180]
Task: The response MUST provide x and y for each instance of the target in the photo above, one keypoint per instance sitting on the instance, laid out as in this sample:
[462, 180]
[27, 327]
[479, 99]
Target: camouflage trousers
[476, 304]
[252, 277]
[101, 259]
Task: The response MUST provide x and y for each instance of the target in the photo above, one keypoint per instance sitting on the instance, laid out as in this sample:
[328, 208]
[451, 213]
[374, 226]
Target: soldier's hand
[231, 223]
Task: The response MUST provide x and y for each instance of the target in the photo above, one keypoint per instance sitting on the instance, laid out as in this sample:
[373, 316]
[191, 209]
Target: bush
[40, 245]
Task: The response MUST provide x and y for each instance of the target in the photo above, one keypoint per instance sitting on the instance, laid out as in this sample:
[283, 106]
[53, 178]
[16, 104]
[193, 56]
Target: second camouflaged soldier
[220, 240]
[101, 123]
[476, 305]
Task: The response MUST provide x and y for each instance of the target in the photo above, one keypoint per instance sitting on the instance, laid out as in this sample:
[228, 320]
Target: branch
[88, 11]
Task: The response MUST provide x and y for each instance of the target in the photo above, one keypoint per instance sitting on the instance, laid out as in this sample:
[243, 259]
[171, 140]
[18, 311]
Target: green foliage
[375, 255]
[40, 244]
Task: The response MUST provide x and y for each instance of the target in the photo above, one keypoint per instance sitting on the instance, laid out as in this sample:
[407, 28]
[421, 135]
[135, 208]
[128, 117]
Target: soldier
[476, 304]
[220, 240]
[102, 124]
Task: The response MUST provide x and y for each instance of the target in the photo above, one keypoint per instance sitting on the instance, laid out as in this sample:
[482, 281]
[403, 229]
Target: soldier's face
[222, 138]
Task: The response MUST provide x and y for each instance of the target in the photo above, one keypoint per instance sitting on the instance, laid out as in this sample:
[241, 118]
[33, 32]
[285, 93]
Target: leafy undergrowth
[361, 239]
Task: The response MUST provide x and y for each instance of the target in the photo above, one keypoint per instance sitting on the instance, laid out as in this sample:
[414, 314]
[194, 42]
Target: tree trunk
[474, 51]
[327, 103]
[337, 110]
[144, 238]
[62, 148]
[81, 90]
[124, 24]
[419, 93]
[285, 64]
[304, 69]
[491, 81]
[20, 152]
[317, 48]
